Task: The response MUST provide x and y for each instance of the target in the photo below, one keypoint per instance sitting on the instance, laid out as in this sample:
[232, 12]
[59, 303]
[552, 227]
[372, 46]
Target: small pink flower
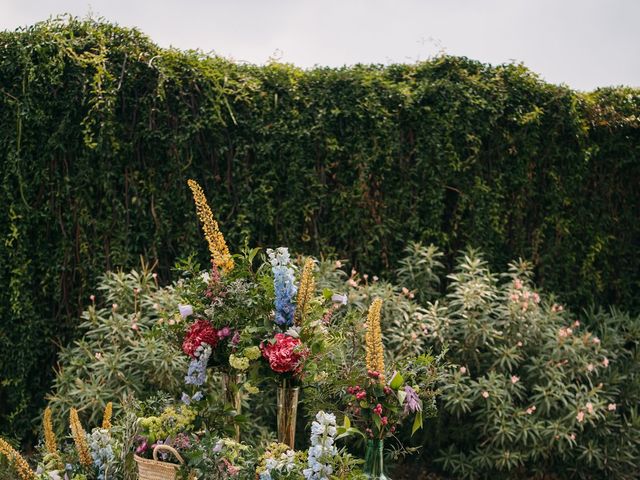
[531, 409]
[590, 408]
[517, 284]
[384, 420]
[569, 331]
[605, 362]
[519, 344]
[596, 340]
[514, 297]
[405, 291]
[612, 407]
[98, 355]
[463, 370]
[572, 436]
[375, 278]
[352, 283]
[515, 379]
[536, 298]
[134, 326]
[365, 276]
[485, 394]
[154, 275]
[114, 306]
[590, 367]
[338, 264]
[580, 416]
[526, 295]
[576, 323]
[92, 298]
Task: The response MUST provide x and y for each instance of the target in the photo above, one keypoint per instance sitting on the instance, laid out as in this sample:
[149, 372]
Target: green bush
[122, 350]
[532, 391]
[99, 129]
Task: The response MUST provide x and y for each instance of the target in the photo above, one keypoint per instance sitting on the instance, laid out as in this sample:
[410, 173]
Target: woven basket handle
[168, 449]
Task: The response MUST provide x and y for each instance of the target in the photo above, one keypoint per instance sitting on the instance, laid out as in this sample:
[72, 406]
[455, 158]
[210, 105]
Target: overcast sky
[583, 43]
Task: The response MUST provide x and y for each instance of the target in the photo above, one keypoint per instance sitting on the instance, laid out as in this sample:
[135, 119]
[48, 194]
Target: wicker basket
[155, 469]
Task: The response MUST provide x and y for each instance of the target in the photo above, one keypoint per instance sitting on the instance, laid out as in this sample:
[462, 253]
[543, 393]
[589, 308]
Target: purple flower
[339, 299]
[186, 399]
[235, 340]
[185, 310]
[412, 402]
[142, 448]
[224, 332]
[197, 396]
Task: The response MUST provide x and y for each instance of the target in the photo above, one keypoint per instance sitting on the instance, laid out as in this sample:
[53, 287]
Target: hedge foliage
[100, 128]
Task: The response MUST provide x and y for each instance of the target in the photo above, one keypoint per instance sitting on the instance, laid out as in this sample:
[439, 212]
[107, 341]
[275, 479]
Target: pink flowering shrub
[531, 390]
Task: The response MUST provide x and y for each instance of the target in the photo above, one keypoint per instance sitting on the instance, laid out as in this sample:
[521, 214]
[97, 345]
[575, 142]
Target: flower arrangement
[91, 456]
[204, 453]
[322, 461]
[379, 406]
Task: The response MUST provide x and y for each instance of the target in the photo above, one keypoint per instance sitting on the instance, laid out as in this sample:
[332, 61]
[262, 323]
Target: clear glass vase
[231, 386]
[374, 460]
[287, 413]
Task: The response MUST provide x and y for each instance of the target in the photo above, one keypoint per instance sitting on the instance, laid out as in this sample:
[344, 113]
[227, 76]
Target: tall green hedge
[100, 128]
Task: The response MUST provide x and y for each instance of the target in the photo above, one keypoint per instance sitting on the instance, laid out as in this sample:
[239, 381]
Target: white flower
[322, 450]
[185, 310]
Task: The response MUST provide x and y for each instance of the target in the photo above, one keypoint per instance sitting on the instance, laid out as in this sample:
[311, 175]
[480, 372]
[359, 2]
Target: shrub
[121, 350]
[532, 391]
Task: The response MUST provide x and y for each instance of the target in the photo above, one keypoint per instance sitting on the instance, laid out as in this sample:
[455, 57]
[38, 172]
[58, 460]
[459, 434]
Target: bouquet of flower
[322, 461]
[379, 402]
[91, 456]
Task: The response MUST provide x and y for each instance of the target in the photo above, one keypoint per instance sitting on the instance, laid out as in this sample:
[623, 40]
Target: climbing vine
[100, 128]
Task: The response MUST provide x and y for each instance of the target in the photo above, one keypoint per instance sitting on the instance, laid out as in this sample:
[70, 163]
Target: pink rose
[285, 354]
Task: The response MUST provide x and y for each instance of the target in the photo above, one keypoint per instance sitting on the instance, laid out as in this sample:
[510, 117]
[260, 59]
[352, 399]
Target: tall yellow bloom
[19, 463]
[80, 438]
[49, 436]
[106, 417]
[375, 349]
[305, 292]
[217, 245]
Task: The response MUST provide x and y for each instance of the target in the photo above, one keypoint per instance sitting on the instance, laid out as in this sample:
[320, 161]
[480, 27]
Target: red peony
[285, 354]
[200, 332]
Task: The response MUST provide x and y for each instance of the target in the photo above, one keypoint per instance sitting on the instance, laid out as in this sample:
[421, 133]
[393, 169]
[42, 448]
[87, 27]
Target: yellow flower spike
[80, 438]
[305, 292]
[106, 417]
[217, 245]
[19, 463]
[50, 442]
[374, 347]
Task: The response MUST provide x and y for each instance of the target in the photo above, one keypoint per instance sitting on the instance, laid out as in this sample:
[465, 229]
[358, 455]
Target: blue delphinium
[284, 285]
[197, 373]
[101, 450]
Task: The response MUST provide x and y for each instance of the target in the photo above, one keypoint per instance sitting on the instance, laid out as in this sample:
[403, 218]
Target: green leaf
[396, 381]
[417, 423]
[346, 423]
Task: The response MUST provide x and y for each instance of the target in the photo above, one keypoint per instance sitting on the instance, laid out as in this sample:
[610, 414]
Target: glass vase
[374, 460]
[287, 413]
[232, 398]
